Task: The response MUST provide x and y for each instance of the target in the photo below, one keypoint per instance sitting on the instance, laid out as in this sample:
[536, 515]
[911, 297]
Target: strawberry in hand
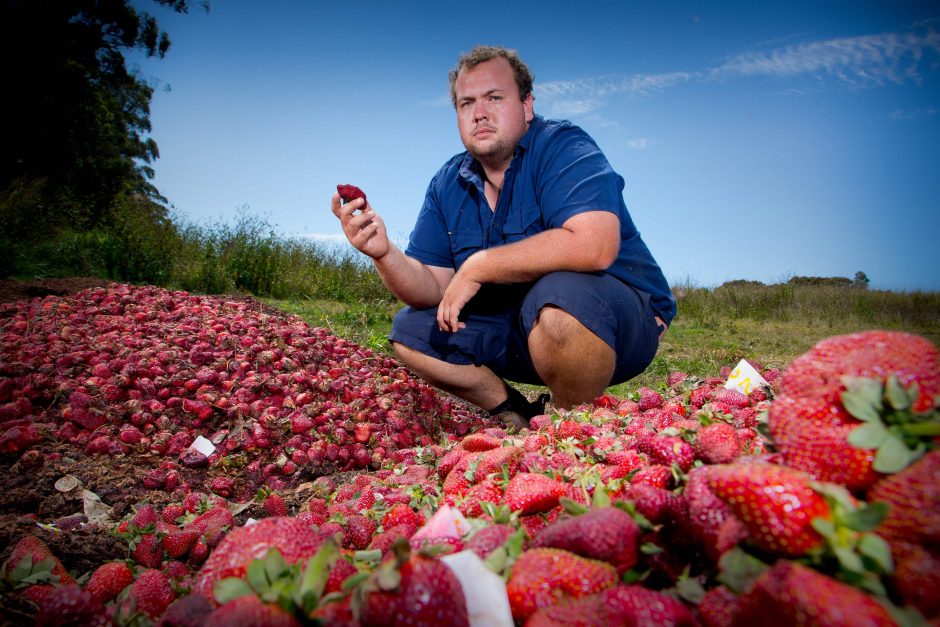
[349, 193]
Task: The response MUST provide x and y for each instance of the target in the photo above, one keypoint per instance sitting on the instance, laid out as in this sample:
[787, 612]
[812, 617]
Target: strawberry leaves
[890, 426]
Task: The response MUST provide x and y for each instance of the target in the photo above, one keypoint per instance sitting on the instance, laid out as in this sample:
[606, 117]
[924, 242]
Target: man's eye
[496, 97]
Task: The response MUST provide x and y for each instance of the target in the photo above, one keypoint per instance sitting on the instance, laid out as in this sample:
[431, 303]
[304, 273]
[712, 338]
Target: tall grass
[814, 304]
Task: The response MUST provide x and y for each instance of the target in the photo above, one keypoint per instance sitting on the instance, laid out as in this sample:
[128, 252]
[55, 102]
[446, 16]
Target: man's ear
[527, 104]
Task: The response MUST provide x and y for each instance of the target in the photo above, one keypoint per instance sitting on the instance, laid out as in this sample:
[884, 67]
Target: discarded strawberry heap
[342, 490]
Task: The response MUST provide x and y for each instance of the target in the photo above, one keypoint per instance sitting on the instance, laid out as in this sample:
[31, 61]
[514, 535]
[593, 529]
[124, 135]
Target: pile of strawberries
[815, 500]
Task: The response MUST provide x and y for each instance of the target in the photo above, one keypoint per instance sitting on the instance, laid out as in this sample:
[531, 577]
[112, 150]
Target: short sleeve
[429, 242]
[575, 176]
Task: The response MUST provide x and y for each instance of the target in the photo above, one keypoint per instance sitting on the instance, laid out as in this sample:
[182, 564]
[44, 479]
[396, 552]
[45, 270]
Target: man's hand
[462, 287]
[366, 230]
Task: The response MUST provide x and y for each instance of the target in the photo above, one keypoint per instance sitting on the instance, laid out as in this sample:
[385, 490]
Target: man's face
[490, 116]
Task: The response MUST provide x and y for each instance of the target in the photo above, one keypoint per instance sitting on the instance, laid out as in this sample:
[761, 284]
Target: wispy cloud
[913, 114]
[852, 62]
[857, 62]
[641, 143]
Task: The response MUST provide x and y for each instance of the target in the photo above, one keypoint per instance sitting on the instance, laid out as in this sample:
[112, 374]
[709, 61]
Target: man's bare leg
[476, 384]
[573, 362]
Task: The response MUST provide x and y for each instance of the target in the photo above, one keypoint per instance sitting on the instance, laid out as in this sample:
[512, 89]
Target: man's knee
[556, 326]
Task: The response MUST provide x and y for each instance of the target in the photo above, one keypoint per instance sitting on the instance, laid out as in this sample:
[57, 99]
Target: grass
[769, 324]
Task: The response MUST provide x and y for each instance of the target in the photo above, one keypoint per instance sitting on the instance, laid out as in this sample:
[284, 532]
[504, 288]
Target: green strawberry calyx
[890, 426]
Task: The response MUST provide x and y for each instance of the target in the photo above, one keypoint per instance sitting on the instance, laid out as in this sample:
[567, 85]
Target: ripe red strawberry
[250, 611]
[487, 491]
[648, 607]
[242, 545]
[916, 577]
[145, 516]
[109, 580]
[543, 577]
[656, 475]
[812, 435]
[649, 399]
[412, 590]
[476, 442]
[449, 460]
[384, 540]
[608, 534]
[913, 496]
[731, 397]
[37, 550]
[568, 429]
[792, 594]
[668, 450]
[818, 373]
[213, 524]
[148, 551]
[349, 193]
[489, 538]
[402, 514]
[657, 505]
[776, 505]
[530, 493]
[172, 512]
[274, 505]
[717, 443]
[717, 608]
[178, 542]
[713, 526]
[70, 605]
[188, 611]
[359, 530]
[151, 593]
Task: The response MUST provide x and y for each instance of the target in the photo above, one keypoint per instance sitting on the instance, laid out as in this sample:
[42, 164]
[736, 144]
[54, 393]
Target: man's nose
[480, 110]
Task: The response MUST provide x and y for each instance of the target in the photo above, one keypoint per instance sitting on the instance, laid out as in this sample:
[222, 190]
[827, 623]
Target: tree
[75, 119]
[861, 280]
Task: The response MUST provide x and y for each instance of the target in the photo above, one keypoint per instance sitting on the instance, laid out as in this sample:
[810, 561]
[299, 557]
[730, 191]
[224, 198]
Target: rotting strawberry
[790, 593]
[349, 193]
[359, 531]
[108, 580]
[413, 590]
[531, 493]
[178, 542]
[775, 504]
[608, 534]
[147, 551]
[543, 577]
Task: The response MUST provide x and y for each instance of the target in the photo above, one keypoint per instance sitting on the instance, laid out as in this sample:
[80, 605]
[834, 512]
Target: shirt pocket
[523, 223]
[463, 243]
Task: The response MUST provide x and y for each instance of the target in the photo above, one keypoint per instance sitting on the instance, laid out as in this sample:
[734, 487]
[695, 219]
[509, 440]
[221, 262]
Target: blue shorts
[500, 317]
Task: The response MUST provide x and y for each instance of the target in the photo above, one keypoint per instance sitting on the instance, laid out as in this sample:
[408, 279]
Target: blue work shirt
[557, 172]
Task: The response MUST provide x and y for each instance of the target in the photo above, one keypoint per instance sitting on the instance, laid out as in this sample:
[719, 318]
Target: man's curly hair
[480, 54]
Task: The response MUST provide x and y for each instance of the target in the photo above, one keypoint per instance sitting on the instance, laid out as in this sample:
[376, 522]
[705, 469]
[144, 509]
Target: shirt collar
[470, 168]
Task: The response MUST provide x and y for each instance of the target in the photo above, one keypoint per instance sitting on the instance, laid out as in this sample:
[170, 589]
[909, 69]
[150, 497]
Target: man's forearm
[529, 259]
[408, 279]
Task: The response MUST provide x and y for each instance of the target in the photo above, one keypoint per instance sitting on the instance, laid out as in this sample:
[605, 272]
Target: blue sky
[758, 140]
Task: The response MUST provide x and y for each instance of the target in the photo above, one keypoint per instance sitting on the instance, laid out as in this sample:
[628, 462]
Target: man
[524, 263]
